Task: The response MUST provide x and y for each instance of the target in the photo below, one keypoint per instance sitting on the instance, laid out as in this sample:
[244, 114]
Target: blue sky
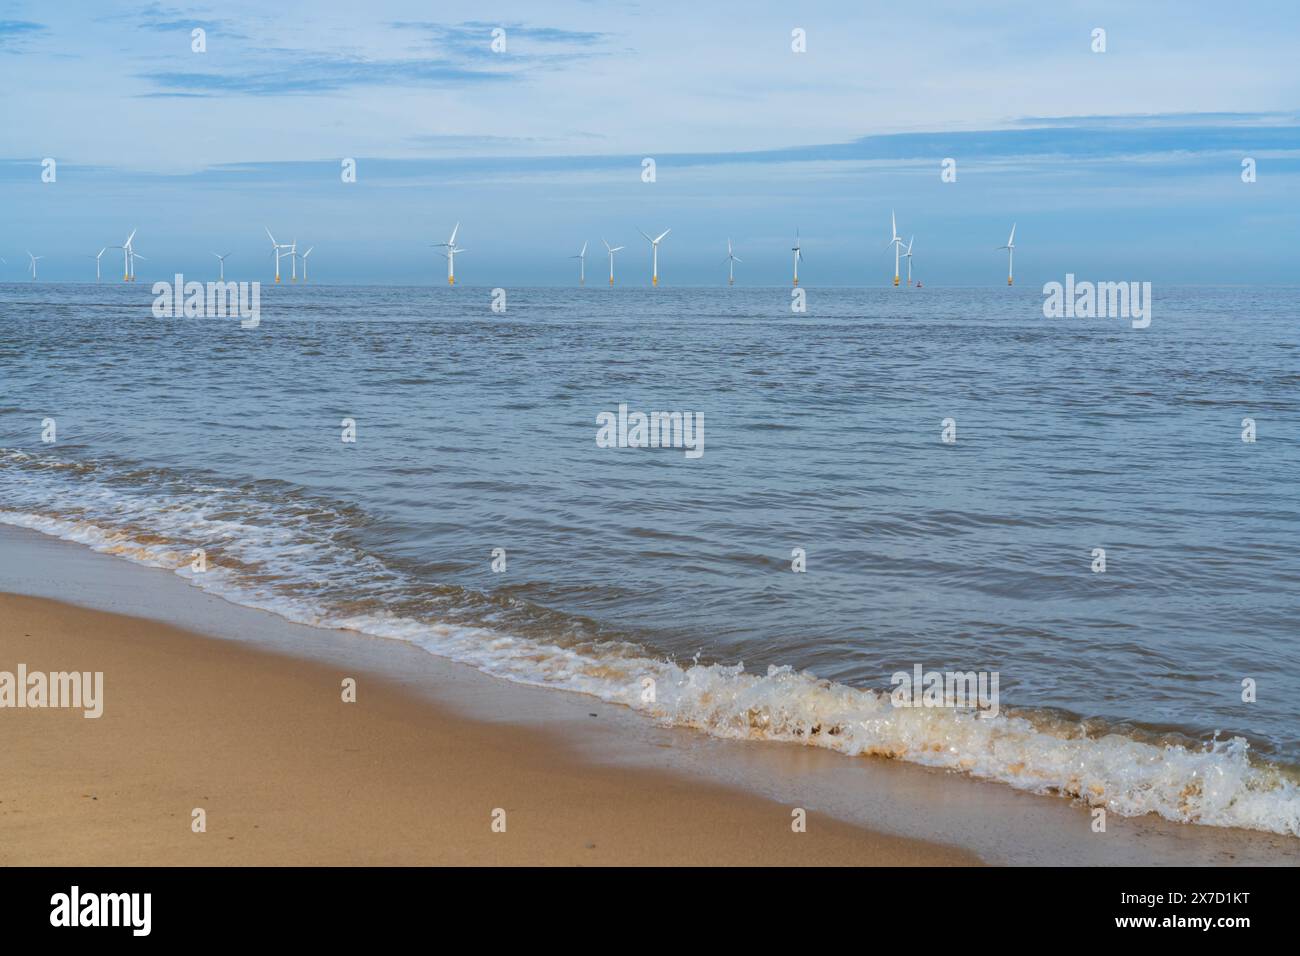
[1123, 164]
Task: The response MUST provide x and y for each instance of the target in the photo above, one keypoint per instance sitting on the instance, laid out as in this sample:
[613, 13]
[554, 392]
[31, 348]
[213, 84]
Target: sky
[1116, 165]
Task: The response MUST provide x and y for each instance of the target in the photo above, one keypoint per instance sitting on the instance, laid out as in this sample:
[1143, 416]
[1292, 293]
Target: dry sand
[290, 774]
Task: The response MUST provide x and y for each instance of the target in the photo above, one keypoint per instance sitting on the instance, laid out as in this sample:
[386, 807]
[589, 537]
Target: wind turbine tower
[452, 249]
[897, 243]
[582, 265]
[1011, 251]
[611, 251]
[654, 247]
[731, 260]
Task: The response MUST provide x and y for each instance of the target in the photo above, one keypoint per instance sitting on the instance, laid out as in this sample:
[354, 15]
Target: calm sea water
[476, 431]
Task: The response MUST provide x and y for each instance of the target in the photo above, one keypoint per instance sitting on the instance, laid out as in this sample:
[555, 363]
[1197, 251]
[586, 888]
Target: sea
[1103, 519]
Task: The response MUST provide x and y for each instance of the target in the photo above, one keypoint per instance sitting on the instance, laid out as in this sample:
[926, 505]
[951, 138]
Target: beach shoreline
[888, 812]
[285, 771]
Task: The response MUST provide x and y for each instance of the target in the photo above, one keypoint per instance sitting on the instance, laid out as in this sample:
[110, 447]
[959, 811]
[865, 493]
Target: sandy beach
[288, 773]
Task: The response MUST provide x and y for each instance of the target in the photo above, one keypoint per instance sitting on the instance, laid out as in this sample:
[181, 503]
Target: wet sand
[289, 773]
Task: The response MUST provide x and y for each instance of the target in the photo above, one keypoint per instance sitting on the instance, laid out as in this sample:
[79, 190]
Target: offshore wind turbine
[275, 250]
[32, 265]
[798, 256]
[731, 261]
[582, 265]
[128, 257]
[611, 260]
[1011, 251]
[304, 263]
[452, 249]
[96, 258]
[908, 256]
[131, 255]
[222, 260]
[896, 242]
[654, 246]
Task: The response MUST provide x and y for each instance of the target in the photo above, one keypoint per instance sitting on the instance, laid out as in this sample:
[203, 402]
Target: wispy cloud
[473, 37]
[460, 55]
[1152, 120]
[296, 74]
[469, 141]
[1157, 151]
[161, 19]
[14, 33]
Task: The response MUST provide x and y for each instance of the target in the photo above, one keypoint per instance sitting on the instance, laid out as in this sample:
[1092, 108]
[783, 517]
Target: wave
[281, 550]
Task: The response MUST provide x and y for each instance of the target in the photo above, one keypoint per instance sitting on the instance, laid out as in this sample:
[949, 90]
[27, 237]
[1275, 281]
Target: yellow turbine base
[277, 278]
[895, 281]
[451, 280]
[796, 280]
[654, 280]
[611, 281]
[1008, 280]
